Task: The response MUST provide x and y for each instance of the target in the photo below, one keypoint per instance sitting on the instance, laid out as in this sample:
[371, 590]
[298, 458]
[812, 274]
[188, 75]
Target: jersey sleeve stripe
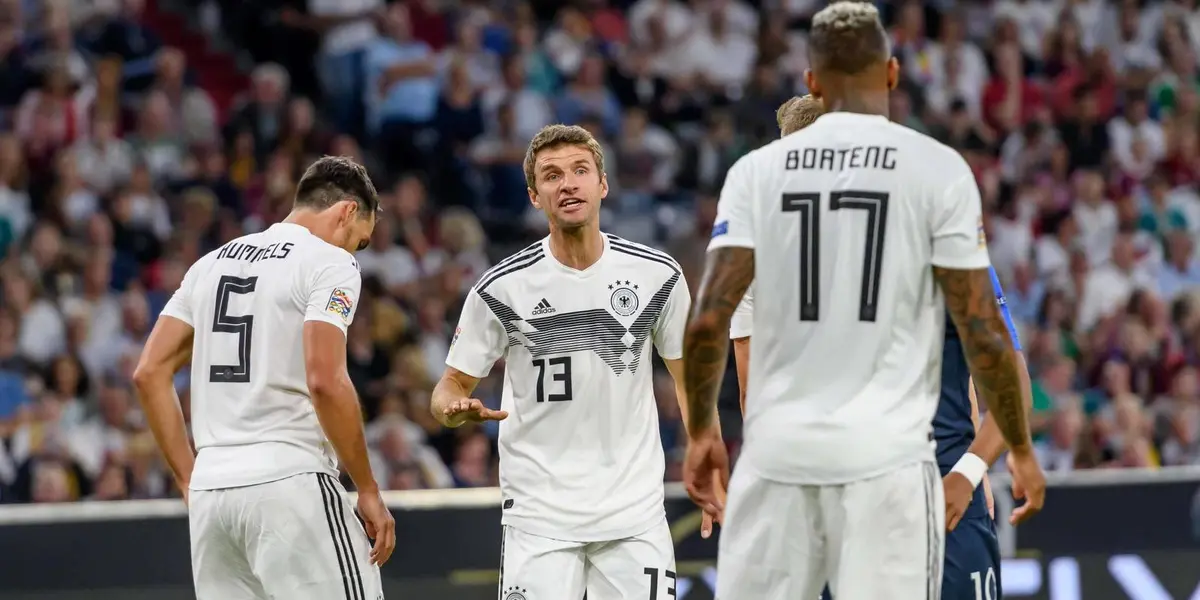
[674, 266]
[513, 267]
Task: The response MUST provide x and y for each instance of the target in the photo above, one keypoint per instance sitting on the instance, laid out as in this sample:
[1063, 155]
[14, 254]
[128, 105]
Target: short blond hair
[556, 136]
[798, 113]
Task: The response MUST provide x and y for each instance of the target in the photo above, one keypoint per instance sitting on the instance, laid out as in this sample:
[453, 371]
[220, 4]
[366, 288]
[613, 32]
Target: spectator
[1132, 127]
[262, 115]
[347, 30]
[587, 95]
[401, 90]
[104, 160]
[55, 114]
[529, 108]
[193, 112]
[1110, 284]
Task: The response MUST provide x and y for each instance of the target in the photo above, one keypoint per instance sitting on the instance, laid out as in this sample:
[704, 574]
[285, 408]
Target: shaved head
[848, 38]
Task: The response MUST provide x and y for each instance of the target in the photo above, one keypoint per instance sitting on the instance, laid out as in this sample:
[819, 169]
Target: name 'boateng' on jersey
[846, 358]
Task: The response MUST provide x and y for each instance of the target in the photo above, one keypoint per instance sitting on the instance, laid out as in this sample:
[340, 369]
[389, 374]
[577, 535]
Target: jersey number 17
[808, 205]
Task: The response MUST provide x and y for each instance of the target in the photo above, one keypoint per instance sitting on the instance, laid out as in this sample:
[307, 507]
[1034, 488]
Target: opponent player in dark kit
[965, 447]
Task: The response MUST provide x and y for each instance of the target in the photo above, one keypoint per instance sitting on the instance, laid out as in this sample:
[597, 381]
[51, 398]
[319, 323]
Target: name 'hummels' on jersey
[580, 453]
[846, 218]
[252, 419]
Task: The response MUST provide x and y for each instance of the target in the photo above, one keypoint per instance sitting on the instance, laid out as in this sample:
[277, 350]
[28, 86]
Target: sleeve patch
[720, 229]
[982, 235]
[340, 304]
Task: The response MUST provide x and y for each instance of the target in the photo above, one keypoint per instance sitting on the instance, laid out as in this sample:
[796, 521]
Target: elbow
[321, 386]
[707, 324]
[146, 375]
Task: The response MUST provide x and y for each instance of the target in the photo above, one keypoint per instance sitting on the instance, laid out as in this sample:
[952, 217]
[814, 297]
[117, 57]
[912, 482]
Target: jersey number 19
[808, 205]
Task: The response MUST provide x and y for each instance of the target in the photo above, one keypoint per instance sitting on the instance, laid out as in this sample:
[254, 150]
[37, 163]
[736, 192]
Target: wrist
[972, 467]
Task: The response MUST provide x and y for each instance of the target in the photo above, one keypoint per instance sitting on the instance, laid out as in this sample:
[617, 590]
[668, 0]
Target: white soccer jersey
[580, 454]
[252, 417]
[847, 216]
[742, 323]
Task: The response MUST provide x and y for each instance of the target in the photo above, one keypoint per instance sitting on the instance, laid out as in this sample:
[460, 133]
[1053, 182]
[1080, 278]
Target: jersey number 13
[808, 205]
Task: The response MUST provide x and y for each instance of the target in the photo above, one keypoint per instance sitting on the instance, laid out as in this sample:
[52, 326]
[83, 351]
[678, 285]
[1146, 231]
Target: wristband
[972, 467]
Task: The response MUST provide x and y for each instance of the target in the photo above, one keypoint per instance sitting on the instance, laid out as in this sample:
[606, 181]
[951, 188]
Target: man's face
[568, 186]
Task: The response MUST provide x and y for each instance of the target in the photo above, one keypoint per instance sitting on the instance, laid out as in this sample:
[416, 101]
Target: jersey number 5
[242, 326]
[809, 207]
[560, 372]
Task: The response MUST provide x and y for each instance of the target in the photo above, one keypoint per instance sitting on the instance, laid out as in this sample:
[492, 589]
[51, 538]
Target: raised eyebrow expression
[548, 168]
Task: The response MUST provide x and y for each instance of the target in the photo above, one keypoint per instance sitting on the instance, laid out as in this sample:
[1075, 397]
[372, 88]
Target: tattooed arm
[990, 354]
[728, 272]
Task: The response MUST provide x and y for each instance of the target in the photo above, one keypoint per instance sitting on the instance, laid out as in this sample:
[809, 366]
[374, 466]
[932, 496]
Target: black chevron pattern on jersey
[594, 329]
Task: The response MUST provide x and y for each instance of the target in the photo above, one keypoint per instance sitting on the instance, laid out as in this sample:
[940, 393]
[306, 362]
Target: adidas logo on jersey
[543, 308]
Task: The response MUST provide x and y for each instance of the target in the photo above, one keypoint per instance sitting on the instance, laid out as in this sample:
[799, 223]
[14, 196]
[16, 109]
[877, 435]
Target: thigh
[887, 534]
[220, 569]
[772, 544]
[972, 568]
[533, 567]
[641, 567]
[307, 543]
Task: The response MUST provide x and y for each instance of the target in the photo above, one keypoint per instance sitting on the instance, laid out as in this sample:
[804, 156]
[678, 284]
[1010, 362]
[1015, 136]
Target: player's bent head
[798, 113]
[340, 191]
[848, 41]
[564, 171]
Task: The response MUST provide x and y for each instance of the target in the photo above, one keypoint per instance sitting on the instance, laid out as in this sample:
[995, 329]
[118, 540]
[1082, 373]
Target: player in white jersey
[868, 233]
[262, 321]
[574, 317]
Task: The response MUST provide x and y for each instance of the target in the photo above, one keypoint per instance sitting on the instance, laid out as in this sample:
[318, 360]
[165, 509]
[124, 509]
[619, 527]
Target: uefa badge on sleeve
[340, 304]
[515, 593]
[457, 332]
[982, 235]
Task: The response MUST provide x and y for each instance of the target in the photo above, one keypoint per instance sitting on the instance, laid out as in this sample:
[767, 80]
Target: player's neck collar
[585, 272]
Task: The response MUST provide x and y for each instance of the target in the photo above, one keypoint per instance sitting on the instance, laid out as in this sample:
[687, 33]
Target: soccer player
[871, 233]
[262, 321]
[574, 316]
[971, 569]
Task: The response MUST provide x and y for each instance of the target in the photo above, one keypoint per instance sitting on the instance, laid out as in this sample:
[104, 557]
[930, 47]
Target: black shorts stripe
[503, 538]
[933, 563]
[337, 545]
[335, 514]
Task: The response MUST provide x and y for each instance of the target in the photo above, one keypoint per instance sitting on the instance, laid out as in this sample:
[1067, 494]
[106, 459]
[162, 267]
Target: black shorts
[972, 570]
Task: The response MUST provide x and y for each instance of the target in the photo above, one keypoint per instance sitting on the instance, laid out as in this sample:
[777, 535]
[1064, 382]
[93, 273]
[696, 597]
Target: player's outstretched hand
[706, 472]
[380, 526]
[1028, 483]
[958, 492]
[470, 410]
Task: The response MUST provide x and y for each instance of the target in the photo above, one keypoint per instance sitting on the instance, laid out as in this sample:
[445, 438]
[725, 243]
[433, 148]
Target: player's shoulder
[513, 269]
[642, 255]
[941, 160]
[316, 255]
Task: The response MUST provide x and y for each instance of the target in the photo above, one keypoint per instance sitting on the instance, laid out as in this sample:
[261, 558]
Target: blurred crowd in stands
[121, 162]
